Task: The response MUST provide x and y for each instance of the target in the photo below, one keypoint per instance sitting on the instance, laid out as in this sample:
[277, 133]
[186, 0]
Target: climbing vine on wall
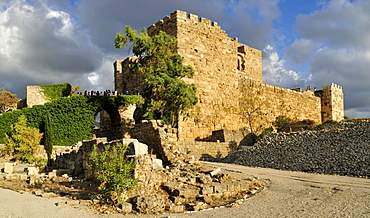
[72, 117]
[53, 92]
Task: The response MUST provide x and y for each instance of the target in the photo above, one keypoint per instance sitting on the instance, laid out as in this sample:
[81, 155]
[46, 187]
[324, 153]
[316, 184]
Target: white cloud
[335, 45]
[42, 46]
[276, 73]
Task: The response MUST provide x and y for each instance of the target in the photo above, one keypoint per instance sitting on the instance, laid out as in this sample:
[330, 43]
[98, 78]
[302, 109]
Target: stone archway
[115, 122]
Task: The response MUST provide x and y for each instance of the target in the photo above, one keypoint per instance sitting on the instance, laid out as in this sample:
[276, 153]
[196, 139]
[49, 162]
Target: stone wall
[218, 62]
[35, 96]
[224, 69]
[207, 151]
[332, 103]
[125, 80]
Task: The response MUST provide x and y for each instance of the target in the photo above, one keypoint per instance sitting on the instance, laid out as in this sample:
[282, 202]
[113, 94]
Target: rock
[177, 200]
[207, 199]
[176, 208]
[204, 178]
[157, 164]
[38, 192]
[32, 170]
[32, 179]
[342, 149]
[8, 168]
[207, 189]
[13, 177]
[149, 204]
[137, 148]
[49, 195]
[126, 207]
[214, 172]
[220, 188]
[186, 192]
[52, 174]
[171, 186]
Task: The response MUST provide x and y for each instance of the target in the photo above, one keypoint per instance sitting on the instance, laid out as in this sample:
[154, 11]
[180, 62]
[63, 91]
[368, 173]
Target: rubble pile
[344, 149]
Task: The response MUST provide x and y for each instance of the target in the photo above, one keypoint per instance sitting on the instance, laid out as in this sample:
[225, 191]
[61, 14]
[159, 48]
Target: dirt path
[291, 194]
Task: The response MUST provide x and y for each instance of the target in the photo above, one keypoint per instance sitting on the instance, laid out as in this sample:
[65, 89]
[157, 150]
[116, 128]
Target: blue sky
[304, 43]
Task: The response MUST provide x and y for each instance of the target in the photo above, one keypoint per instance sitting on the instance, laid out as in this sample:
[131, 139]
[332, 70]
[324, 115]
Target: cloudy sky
[304, 43]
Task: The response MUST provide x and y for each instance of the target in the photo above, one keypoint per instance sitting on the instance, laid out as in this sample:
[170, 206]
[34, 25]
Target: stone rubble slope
[342, 150]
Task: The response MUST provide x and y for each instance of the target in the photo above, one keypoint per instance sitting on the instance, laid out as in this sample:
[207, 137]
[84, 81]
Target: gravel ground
[290, 194]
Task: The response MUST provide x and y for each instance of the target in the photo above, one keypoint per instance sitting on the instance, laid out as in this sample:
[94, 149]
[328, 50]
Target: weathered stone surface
[216, 171]
[207, 189]
[32, 171]
[149, 204]
[204, 178]
[52, 174]
[49, 195]
[137, 148]
[8, 168]
[220, 188]
[177, 208]
[13, 177]
[186, 192]
[126, 207]
[157, 164]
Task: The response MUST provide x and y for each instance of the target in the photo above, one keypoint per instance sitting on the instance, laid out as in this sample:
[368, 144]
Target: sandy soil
[290, 194]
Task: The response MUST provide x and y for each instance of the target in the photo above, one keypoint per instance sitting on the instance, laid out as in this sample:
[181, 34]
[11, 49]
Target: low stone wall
[208, 151]
[344, 150]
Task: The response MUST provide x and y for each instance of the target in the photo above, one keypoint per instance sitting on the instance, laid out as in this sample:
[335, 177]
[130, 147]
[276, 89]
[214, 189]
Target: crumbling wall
[35, 96]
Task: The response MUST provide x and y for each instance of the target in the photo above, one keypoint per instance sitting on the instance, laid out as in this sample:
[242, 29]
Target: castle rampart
[228, 72]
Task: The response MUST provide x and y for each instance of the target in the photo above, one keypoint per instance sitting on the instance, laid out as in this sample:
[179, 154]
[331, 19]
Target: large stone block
[32, 171]
[137, 148]
[157, 164]
[8, 168]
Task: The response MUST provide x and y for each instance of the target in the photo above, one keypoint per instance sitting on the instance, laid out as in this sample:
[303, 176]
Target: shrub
[23, 143]
[114, 171]
[347, 119]
[280, 121]
[265, 132]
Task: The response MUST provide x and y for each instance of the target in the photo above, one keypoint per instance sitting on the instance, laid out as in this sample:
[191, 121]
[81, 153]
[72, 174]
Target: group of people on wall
[107, 92]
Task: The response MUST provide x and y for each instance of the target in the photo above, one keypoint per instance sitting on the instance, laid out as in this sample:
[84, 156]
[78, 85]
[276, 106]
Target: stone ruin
[185, 185]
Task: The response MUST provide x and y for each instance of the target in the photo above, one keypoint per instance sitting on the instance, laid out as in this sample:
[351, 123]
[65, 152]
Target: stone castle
[228, 76]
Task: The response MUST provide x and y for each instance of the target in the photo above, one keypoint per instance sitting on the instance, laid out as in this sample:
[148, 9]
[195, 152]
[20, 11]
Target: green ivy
[56, 91]
[72, 117]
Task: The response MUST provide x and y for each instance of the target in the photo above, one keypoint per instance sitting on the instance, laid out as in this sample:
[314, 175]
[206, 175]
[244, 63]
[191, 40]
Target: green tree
[166, 95]
[48, 135]
[252, 109]
[24, 141]
[114, 171]
[7, 100]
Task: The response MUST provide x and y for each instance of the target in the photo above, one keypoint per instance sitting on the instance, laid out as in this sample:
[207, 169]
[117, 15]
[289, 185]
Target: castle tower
[332, 103]
[218, 62]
